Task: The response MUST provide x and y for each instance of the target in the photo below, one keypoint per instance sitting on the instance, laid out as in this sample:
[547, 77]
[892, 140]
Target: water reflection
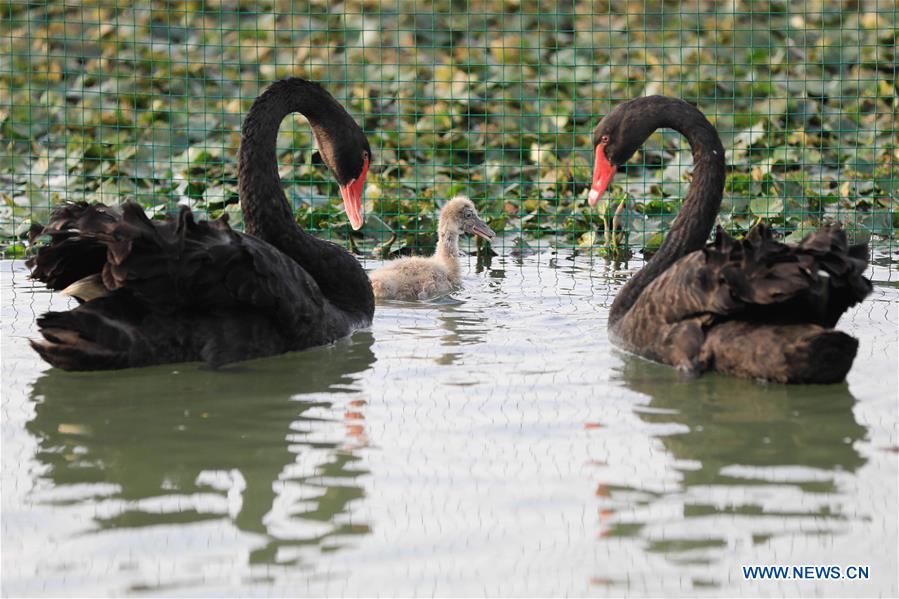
[482, 473]
[447, 324]
[253, 444]
[739, 447]
[462, 326]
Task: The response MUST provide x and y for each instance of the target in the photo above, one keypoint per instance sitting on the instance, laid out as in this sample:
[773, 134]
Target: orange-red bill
[352, 197]
[603, 172]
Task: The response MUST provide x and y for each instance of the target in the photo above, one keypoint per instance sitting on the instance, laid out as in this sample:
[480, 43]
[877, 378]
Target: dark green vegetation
[107, 102]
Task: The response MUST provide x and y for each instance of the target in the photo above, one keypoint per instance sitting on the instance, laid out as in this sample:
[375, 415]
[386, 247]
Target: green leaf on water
[767, 206]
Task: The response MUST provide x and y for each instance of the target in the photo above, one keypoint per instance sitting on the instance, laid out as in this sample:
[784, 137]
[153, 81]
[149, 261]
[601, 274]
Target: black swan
[179, 290]
[754, 308]
[418, 278]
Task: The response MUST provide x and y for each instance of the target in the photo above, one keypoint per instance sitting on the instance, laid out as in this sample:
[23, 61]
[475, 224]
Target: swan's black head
[621, 133]
[350, 167]
[343, 148]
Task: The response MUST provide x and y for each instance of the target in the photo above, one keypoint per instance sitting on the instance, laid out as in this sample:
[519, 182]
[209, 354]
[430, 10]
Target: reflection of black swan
[180, 290]
[153, 434]
[753, 308]
[744, 423]
[728, 437]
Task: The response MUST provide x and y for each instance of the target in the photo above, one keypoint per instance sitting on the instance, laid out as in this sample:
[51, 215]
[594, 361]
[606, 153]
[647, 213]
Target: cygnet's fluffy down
[422, 278]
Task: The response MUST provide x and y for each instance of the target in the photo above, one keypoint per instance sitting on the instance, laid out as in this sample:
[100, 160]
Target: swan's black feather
[72, 256]
[753, 307]
[179, 290]
[815, 281]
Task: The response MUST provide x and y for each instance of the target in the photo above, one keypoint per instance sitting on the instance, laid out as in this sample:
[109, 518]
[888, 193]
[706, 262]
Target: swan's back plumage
[178, 290]
[753, 307]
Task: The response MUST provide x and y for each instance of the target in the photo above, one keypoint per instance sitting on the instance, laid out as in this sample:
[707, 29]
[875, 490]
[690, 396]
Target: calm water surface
[492, 443]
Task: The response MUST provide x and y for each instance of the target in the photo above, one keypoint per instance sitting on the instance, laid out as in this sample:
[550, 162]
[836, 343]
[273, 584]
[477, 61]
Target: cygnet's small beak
[481, 229]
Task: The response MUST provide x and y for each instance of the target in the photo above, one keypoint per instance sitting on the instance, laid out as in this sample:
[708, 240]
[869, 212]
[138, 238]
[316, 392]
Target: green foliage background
[107, 101]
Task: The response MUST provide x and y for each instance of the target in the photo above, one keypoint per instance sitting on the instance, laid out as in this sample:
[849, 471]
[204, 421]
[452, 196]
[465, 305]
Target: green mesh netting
[108, 101]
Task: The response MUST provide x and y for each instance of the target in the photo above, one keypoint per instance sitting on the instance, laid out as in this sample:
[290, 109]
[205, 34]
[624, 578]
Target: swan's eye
[604, 139]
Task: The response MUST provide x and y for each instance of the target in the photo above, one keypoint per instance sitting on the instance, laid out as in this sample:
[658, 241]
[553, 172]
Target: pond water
[491, 443]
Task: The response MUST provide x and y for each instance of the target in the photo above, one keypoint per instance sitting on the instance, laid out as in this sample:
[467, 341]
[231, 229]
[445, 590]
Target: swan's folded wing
[71, 256]
[759, 278]
[175, 264]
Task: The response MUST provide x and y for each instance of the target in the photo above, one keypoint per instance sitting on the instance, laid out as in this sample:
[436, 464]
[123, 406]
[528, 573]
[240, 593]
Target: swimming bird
[181, 290]
[753, 308]
[418, 278]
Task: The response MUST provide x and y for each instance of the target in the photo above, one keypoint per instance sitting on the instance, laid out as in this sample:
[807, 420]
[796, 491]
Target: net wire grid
[143, 101]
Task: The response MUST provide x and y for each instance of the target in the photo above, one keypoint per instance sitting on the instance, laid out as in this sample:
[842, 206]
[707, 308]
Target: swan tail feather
[815, 281]
[118, 331]
[86, 338]
[76, 249]
[170, 291]
[124, 248]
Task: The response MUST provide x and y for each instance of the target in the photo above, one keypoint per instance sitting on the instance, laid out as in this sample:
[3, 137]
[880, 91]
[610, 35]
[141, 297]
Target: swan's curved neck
[266, 211]
[690, 230]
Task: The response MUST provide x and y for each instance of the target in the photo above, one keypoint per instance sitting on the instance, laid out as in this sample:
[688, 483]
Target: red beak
[603, 171]
[352, 197]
